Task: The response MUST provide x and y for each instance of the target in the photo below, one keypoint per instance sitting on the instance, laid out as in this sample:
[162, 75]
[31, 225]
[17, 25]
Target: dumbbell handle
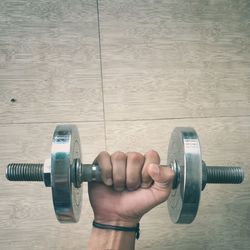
[85, 173]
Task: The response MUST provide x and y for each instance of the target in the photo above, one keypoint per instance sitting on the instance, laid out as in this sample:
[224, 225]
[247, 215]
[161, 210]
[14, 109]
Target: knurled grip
[91, 173]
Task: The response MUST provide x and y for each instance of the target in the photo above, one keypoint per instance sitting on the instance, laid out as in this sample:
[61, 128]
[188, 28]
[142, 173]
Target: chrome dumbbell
[64, 172]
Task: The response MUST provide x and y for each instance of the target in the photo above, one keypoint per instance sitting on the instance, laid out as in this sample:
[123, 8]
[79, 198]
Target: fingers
[119, 161]
[104, 161]
[133, 170]
[127, 170]
[121, 170]
[150, 157]
[135, 162]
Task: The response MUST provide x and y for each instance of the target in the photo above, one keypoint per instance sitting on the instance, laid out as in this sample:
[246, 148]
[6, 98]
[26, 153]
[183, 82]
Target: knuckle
[103, 154]
[118, 156]
[153, 155]
[135, 157]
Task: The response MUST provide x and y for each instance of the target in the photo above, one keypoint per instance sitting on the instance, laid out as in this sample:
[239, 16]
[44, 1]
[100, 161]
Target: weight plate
[184, 149]
[67, 199]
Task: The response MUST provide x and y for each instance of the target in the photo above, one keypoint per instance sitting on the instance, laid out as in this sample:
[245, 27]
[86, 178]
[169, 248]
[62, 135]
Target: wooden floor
[126, 73]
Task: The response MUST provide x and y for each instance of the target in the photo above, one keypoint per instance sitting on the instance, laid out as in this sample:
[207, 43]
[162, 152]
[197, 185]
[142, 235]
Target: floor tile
[173, 59]
[49, 62]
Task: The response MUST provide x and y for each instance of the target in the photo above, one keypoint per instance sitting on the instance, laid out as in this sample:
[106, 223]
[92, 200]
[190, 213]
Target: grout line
[177, 118]
[124, 120]
[100, 53]
[51, 122]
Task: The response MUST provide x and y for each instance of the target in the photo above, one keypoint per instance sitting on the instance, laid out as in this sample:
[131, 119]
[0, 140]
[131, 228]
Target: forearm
[101, 239]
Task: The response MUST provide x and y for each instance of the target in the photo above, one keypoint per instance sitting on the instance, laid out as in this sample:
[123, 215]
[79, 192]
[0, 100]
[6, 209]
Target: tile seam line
[124, 120]
[177, 118]
[101, 71]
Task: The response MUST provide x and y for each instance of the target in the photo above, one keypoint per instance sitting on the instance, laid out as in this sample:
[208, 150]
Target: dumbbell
[64, 172]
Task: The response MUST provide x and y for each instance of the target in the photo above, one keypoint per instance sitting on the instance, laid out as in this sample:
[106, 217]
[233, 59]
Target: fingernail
[144, 185]
[109, 182]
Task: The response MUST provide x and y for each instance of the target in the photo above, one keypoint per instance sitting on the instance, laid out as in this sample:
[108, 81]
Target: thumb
[162, 176]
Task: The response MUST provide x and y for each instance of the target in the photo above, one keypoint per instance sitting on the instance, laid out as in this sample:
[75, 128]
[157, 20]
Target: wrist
[133, 229]
[117, 221]
[111, 239]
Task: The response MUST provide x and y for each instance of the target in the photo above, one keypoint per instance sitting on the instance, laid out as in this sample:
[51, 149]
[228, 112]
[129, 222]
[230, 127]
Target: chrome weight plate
[184, 151]
[67, 199]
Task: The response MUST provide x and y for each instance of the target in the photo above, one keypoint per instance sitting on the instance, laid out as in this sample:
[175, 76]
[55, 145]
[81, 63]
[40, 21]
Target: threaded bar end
[233, 175]
[24, 172]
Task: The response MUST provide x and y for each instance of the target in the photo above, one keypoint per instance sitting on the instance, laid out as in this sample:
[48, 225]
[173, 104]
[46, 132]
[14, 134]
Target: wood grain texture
[174, 59]
[160, 60]
[49, 61]
[223, 218]
[26, 212]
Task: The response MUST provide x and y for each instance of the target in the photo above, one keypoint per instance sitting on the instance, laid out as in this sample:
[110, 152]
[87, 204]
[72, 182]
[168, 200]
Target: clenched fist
[133, 184]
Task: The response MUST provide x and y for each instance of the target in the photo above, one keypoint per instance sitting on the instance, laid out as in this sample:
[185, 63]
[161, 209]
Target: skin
[133, 185]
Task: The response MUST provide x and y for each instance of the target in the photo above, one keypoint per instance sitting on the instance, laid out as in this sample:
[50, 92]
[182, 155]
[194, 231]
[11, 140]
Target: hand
[133, 185]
